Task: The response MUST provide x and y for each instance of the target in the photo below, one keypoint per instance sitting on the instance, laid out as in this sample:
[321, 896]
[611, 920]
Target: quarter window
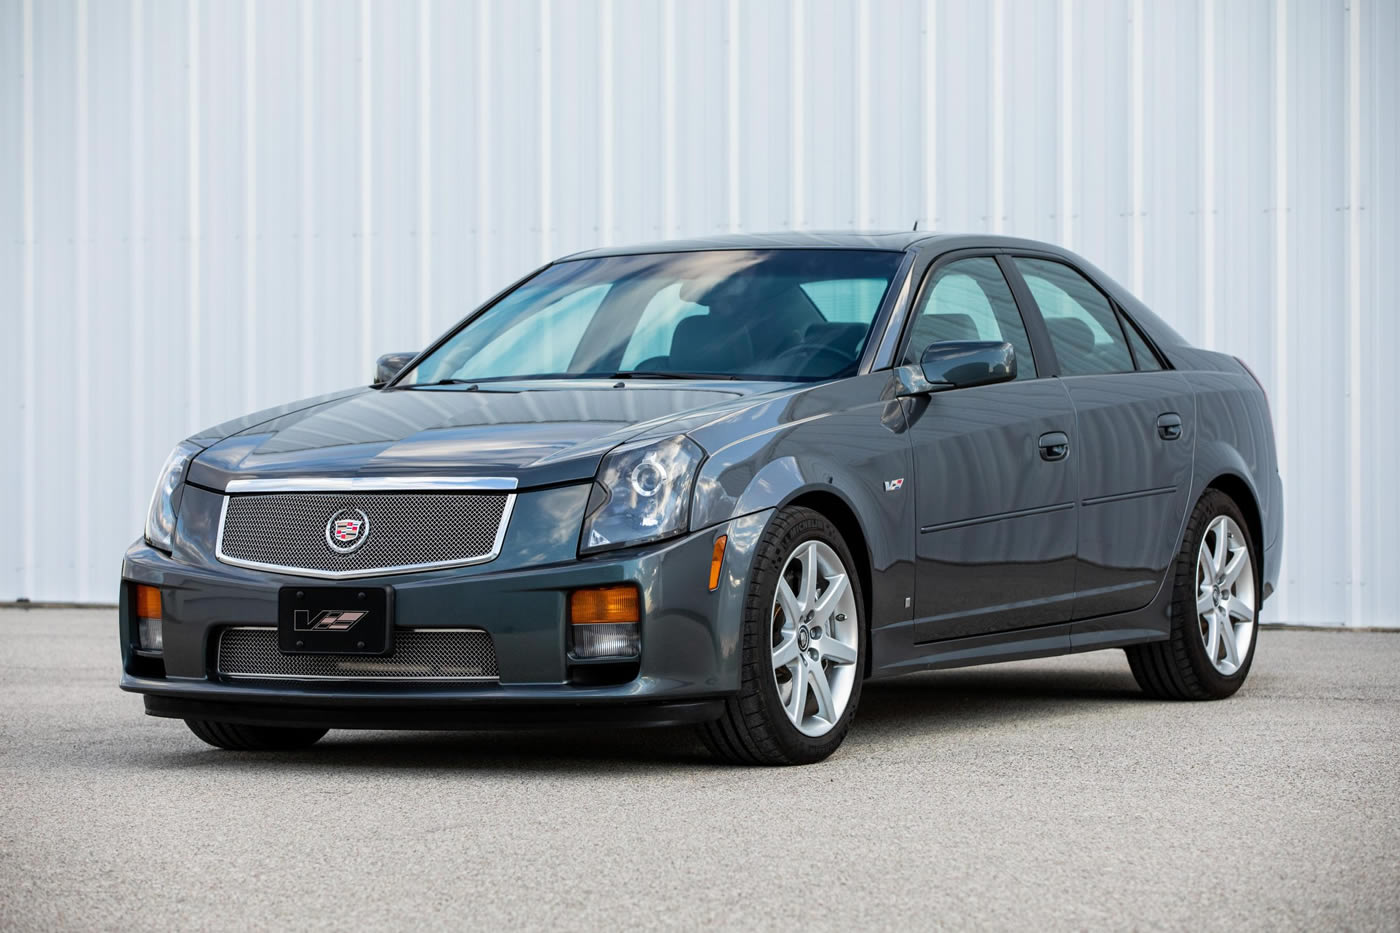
[1142, 354]
[970, 300]
[1084, 329]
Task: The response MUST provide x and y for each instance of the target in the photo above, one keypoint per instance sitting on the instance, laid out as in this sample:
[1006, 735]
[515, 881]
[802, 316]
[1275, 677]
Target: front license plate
[335, 619]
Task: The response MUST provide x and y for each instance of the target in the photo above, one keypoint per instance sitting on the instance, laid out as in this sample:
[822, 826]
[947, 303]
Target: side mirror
[961, 364]
[389, 366]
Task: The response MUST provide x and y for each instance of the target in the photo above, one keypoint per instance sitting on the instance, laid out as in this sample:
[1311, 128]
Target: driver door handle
[1054, 445]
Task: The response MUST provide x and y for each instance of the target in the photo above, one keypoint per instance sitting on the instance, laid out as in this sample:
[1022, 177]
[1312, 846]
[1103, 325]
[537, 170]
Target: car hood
[539, 433]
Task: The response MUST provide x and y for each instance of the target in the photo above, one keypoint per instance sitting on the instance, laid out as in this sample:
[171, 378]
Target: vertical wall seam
[1355, 361]
[30, 454]
[1066, 123]
[732, 90]
[425, 172]
[306, 225]
[1281, 264]
[366, 182]
[863, 220]
[1208, 175]
[136, 375]
[251, 352]
[82, 224]
[483, 152]
[1138, 149]
[668, 119]
[546, 131]
[998, 67]
[194, 339]
[930, 101]
[798, 97]
[606, 66]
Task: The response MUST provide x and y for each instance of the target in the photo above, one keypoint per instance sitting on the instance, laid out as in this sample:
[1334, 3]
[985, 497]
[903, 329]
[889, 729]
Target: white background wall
[214, 207]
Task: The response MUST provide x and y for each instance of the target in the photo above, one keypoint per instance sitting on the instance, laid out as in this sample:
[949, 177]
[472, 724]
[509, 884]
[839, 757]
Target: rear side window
[1084, 329]
[970, 300]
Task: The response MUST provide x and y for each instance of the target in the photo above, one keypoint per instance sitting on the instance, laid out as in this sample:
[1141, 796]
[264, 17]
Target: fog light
[611, 640]
[605, 622]
[148, 636]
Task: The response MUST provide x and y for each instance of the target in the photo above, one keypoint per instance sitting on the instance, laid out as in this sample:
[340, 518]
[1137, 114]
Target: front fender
[841, 447]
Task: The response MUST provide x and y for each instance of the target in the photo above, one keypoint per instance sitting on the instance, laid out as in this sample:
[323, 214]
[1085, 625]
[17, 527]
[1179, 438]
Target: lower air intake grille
[419, 654]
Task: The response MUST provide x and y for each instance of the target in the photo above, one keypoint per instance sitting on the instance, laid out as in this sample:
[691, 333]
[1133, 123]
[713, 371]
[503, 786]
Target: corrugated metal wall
[209, 208]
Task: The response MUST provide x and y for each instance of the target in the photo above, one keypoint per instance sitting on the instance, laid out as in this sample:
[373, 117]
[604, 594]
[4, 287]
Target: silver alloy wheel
[816, 638]
[1225, 599]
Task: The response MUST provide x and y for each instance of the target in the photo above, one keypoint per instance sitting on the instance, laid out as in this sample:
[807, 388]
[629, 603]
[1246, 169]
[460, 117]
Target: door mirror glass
[389, 366]
[961, 364]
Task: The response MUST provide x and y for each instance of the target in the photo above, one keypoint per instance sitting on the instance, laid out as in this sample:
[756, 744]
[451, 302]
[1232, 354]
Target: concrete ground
[1046, 794]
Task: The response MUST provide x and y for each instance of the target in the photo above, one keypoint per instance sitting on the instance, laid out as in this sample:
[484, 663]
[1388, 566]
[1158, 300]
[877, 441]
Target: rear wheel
[803, 647]
[1215, 610]
[239, 738]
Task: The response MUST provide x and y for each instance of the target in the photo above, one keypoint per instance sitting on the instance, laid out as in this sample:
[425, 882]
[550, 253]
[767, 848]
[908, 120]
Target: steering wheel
[813, 351]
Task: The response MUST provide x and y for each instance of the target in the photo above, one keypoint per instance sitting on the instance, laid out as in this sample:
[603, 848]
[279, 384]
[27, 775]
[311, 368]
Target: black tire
[754, 729]
[1179, 668]
[254, 738]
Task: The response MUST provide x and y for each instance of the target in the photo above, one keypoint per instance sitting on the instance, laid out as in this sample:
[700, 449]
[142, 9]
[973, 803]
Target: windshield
[736, 314]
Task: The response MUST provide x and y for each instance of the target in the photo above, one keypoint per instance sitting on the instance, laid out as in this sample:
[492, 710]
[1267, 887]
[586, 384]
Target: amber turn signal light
[147, 602]
[605, 604]
[717, 561]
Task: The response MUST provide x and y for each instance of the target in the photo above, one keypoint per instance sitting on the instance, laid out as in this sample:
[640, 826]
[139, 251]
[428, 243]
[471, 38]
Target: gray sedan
[720, 482]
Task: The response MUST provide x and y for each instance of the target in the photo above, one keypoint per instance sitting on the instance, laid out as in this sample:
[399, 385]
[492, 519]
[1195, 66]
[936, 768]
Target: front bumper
[689, 656]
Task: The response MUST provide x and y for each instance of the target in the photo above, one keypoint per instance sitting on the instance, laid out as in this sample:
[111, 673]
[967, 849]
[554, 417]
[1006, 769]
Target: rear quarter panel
[1236, 439]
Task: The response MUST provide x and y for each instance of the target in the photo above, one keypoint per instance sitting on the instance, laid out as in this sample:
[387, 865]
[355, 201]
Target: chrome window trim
[348, 677]
[373, 484]
[373, 571]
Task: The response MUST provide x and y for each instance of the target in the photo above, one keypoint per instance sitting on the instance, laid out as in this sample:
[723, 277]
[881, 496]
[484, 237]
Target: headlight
[645, 494]
[160, 518]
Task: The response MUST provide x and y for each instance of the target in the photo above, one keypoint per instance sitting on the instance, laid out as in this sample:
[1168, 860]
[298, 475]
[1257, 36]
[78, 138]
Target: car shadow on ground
[925, 706]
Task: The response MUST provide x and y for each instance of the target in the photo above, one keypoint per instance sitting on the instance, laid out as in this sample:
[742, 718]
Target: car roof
[889, 240]
[893, 241]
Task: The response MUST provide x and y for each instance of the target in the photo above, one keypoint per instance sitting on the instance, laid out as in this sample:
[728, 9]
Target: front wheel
[1215, 609]
[240, 738]
[803, 648]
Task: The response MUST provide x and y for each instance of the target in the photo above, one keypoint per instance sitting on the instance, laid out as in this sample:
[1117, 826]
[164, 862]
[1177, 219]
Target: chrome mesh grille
[406, 530]
[419, 654]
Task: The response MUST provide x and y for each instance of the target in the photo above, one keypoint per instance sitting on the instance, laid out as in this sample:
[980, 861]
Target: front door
[995, 492]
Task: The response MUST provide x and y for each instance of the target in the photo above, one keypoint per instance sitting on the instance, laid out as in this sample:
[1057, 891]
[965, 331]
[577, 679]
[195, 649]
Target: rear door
[995, 499]
[1134, 444]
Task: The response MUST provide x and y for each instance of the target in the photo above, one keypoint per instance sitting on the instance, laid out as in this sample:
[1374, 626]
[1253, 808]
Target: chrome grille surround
[414, 523]
[248, 652]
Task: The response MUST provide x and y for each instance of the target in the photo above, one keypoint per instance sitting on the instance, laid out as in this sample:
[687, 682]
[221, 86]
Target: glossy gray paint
[986, 551]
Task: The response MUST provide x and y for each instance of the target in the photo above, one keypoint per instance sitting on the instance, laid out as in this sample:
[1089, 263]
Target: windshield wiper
[443, 382]
[648, 374]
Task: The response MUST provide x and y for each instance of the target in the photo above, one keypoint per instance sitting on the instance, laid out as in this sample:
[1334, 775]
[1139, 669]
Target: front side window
[1083, 327]
[742, 314]
[970, 300]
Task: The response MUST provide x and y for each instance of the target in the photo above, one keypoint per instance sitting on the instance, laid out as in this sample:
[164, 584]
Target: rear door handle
[1169, 426]
[1054, 445]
